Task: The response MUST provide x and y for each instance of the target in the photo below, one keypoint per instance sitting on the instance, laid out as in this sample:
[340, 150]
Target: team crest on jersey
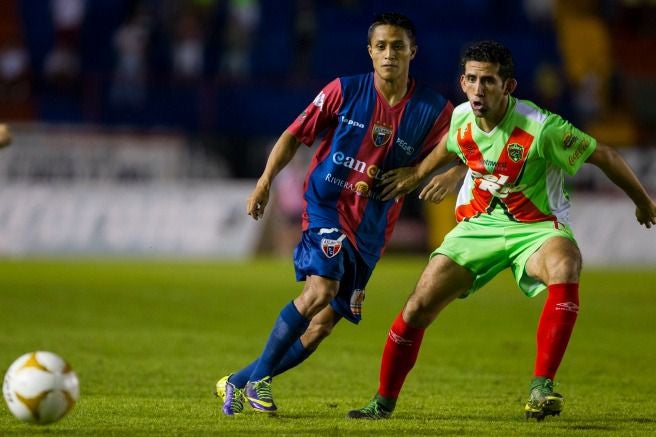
[381, 134]
[515, 152]
[330, 247]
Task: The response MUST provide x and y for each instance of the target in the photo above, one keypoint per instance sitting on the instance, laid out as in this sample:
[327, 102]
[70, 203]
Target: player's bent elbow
[603, 155]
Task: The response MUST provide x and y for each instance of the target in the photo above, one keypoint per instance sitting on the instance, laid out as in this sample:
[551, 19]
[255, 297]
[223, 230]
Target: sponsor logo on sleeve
[582, 147]
[569, 140]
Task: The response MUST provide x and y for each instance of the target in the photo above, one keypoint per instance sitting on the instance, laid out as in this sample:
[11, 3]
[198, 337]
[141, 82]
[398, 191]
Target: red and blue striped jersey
[362, 137]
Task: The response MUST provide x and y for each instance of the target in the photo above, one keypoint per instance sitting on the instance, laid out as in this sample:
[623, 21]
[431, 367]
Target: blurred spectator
[548, 78]
[289, 203]
[129, 85]
[15, 71]
[238, 38]
[634, 41]
[584, 42]
[539, 12]
[188, 47]
[62, 65]
[67, 17]
[586, 46]
[305, 33]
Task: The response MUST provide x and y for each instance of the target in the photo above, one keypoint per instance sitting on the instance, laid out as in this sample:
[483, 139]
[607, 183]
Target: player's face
[486, 91]
[391, 52]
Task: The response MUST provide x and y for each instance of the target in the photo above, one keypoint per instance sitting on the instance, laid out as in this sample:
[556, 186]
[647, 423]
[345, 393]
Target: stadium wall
[159, 220]
[209, 220]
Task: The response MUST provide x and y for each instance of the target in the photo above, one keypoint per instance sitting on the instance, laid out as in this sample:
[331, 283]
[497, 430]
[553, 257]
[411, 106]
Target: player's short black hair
[490, 51]
[394, 19]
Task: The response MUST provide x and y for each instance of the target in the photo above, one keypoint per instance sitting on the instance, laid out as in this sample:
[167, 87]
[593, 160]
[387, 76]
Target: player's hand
[399, 182]
[5, 136]
[442, 184]
[257, 201]
[646, 215]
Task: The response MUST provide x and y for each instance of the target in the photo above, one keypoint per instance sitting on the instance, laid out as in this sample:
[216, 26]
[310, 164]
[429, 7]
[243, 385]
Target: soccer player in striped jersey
[369, 123]
[512, 212]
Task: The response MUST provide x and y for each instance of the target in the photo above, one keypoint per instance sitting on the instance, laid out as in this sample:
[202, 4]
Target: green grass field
[149, 339]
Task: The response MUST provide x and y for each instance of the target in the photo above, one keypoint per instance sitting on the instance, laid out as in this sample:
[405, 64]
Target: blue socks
[289, 326]
[294, 356]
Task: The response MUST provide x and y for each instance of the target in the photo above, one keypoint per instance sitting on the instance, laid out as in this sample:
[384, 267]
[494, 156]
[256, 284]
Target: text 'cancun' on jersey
[363, 137]
[516, 171]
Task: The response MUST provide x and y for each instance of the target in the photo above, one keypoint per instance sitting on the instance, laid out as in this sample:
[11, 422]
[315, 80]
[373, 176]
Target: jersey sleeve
[439, 129]
[319, 115]
[563, 144]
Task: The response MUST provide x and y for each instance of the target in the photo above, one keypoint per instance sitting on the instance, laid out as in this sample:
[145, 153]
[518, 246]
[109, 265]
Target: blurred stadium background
[140, 125]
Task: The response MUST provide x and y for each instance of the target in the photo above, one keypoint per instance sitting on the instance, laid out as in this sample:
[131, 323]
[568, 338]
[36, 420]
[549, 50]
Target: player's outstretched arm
[5, 136]
[281, 154]
[400, 181]
[618, 171]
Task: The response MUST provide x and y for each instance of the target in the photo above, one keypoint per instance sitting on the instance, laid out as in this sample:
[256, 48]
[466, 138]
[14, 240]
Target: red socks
[555, 327]
[399, 356]
[554, 331]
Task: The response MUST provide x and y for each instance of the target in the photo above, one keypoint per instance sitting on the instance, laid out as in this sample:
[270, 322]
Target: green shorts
[485, 246]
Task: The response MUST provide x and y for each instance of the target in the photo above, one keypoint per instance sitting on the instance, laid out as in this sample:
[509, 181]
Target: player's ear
[510, 86]
[413, 51]
[369, 50]
[462, 84]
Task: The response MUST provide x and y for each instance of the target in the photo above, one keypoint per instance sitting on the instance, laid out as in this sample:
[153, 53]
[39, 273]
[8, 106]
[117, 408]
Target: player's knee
[315, 298]
[566, 267]
[316, 332]
[420, 311]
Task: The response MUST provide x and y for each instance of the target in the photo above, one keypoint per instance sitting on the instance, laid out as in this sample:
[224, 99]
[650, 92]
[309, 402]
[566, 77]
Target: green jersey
[516, 171]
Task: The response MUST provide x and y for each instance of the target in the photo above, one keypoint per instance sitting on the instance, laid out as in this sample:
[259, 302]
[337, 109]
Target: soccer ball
[40, 387]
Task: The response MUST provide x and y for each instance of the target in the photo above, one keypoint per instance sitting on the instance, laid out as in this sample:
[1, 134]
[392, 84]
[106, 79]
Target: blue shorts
[328, 253]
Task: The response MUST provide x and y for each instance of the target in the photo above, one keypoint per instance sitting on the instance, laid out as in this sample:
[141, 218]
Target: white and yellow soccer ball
[40, 387]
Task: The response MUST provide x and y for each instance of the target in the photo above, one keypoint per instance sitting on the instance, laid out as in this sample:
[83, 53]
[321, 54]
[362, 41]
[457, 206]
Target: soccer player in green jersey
[512, 212]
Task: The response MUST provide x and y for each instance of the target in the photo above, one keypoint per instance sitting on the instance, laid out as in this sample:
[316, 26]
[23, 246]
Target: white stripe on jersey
[465, 193]
[530, 112]
[558, 202]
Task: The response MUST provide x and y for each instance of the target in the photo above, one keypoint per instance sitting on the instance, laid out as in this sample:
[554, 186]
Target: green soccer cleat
[542, 401]
[374, 410]
[232, 397]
